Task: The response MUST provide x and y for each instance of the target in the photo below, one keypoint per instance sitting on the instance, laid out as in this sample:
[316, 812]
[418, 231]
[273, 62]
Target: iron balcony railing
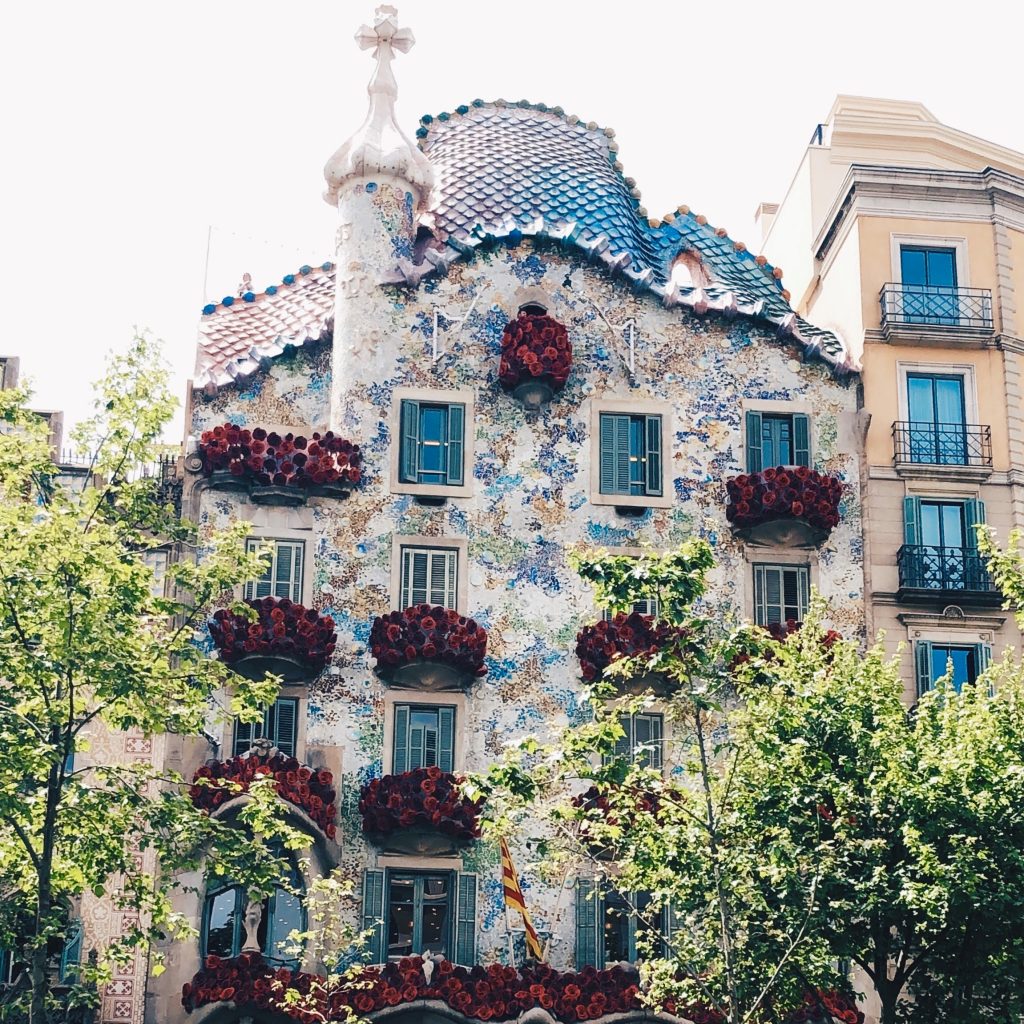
[935, 306]
[943, 570]
[942, 444]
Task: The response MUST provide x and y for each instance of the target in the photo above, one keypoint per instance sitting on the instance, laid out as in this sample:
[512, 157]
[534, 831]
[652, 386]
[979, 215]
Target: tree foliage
[87, 651]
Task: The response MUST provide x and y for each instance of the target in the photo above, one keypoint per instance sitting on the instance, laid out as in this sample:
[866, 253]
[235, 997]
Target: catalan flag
[514, 900]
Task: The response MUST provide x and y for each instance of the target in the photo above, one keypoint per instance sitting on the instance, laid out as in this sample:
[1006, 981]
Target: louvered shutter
[400, 754]
[71, 954]
[259, 588]
[373, 915]
[442, 578]
[414, 577]
[243, 737]
[409, 455]
[983, 656]
[773, 584]
[287, 570]
[975, 575]
[657, 741]
[286, 725]
[465, 924]
[803, 577]
[911, 520]
[801, 439]
[614, 445]
[754, 442]
[588, 909]
[974, 515]
[653, 474]
[446, 739]
[456, 444]
[669, 925]
[923, 656]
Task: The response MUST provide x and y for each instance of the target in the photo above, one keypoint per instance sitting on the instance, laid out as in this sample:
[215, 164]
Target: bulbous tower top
[380, 147]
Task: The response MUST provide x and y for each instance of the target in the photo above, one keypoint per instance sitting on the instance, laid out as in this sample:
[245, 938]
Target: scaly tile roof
[505, 172]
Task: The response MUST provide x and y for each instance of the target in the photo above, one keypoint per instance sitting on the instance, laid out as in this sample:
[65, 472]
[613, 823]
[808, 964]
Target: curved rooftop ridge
[431, 123]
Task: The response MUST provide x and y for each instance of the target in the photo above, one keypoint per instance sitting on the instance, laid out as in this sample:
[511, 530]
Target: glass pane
[423, 729]
[433, 434]
[616, 929]
[949, 399]
[777, 440]
[963, 667]
[220, 928]
[953, 525]
[921, 398]
[435, 915]
[931, 529]
[941, 268]
[287, 918]
[912, 266]
[400, 916]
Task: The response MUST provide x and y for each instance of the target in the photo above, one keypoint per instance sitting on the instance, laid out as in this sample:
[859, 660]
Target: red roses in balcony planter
[428, 647]
[311, 790]
[272, 463]
[624, 636]
[248, 980]
[286, 639]
[789, 496]
[421, 811]
[536, 357]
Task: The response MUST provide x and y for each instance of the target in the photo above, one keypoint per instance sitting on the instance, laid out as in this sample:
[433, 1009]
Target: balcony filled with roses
[536, 358]
[784, 505]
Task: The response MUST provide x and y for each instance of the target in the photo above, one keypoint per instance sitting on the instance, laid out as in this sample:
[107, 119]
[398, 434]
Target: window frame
[775, 407]
[627, 745]
[803, 591]
[408, 707]
[609, 406]
[297, 708]
[421, 874]
[908, 368]
[958, 243]
[238, 928]
[464, 397]
[459, 545]
[923, 658]
[298, 588]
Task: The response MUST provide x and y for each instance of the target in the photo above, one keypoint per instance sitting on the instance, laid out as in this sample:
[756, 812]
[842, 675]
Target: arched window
[689, 270]
[224, 926]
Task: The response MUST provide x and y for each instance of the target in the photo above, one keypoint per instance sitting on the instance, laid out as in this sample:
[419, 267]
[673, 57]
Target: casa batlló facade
[506, 359]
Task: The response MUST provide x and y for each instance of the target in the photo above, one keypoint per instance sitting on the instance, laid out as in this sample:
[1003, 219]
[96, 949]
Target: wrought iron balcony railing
[942, 570]
[934, 306]
[942, 444]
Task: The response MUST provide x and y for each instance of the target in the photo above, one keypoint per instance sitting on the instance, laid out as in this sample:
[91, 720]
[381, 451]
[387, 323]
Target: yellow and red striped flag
[514, 900]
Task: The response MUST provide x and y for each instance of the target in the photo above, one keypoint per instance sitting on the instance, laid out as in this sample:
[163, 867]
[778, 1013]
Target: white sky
[132, 128]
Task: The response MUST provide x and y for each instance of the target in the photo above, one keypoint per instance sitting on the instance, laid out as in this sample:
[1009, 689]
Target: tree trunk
[888, 996]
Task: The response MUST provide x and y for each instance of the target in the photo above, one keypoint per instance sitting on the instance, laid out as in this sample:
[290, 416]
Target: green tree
[86, 647]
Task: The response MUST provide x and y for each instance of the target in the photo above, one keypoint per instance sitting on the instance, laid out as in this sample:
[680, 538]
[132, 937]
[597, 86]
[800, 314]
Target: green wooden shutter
[373, 915]
[588, 908]
[71, 954]
[400, 754]
[607, 446]
[975, 575]
[653, 465]
[982, 657]
[911, 520]
[974, 515]
[923, 656]
[287, 569]
[243, 737]
[801, 439]
[754, 442]
[614, 443]
[286, 726]
[446, 739]
[669, 925]
[456, 445]
[409, 455]
[465, 925]
[803, 575]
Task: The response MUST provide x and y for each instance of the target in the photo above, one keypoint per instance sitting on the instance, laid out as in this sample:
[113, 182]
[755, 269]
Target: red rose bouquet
[534, 346]
[307, 788]
[248, 980]
[431, 633]
[282, 628]
[422, 798]
[268, 459]
[784, 493]
[622, 636]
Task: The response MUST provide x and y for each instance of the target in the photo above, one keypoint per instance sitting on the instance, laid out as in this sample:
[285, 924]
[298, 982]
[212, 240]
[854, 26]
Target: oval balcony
[217, 784]
[279, 469]
[601, 644]
[420, 812]
[427, 647]
[785, 506]
[283, 638]
[536, 358]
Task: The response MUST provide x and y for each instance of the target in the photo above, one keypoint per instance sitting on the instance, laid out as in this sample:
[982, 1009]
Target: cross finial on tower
[380, 147]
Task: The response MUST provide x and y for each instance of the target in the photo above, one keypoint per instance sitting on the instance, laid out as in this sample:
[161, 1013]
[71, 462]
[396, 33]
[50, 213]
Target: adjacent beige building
[900, 234]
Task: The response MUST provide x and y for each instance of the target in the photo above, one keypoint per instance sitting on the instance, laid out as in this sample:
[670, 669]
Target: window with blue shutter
[418, 915]
[283, 577]
[424, 737]
[429, 576]
[963, 662]
[465, 925]
[777, 439]
[781, 593]
[71, 954]
[280, 725]
[588, 915]
[373, 915]
[630, 460]
[432, 443]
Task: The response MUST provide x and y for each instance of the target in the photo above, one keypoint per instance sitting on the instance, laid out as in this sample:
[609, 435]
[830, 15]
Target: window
[630, 454]
[928, 276]
[410, 912]
[938, 418]
[781, 593]
[965, 662]
[611, 926]
[940, 545]
[279, 725]
[424, 737]
[643, 739]
[157, 560]
[283, 577]
[432, 445]
[777, 439]
[224, 932]
[645, 606]
[429, 576]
